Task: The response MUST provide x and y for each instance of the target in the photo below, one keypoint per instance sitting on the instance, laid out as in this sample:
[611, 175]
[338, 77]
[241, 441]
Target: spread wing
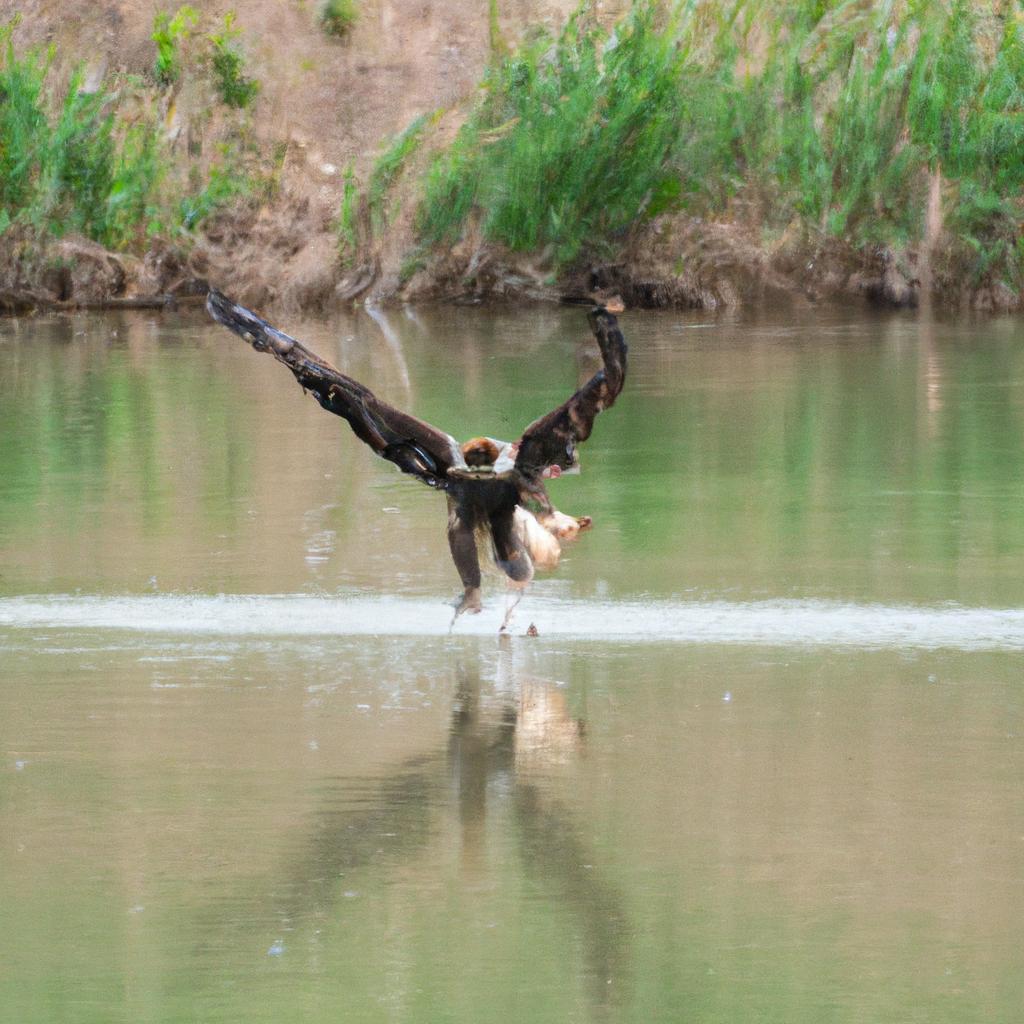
[552, 440]
[412, 445]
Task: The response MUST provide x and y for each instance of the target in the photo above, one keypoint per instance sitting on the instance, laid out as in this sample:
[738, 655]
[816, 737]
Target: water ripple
[781, 623]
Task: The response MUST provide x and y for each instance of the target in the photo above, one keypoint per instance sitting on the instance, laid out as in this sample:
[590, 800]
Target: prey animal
[495, 489]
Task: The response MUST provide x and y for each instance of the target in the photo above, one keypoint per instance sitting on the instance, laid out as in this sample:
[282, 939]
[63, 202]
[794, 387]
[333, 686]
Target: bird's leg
[534, 492]
[510, 607]
[510, 552]
[463, 547]
[511, 555]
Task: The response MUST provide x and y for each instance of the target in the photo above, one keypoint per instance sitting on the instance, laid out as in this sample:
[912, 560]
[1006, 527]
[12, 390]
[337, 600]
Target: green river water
[763, 762]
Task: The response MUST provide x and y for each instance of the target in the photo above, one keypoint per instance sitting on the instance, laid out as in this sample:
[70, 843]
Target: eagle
[497, 501]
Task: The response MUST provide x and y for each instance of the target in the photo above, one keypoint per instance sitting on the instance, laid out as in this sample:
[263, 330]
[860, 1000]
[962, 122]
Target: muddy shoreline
[670, 263]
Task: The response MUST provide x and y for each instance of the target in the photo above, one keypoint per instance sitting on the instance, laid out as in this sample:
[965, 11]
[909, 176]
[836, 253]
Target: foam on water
[771, 623]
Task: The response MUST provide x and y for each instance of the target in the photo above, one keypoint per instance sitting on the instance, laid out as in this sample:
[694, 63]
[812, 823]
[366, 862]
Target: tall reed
[569, 141]
[834, 114]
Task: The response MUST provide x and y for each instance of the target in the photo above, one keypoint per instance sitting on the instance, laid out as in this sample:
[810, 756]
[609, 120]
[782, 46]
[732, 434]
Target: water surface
[762, 762]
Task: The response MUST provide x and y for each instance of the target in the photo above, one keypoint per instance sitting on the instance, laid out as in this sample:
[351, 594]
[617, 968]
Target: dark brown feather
[411, 444]
[552, 439]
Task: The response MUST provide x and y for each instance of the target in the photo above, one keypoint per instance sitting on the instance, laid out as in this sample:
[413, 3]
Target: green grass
[390, 164]
[234, 86]
[832, 115]
[168, 34]
[91, 161]
[338, 17]
[496, 43]
[24, 127]
[854, 107]
[348, 218]
[569, 142]
[223, 183]
[64, 166]
[368, 210]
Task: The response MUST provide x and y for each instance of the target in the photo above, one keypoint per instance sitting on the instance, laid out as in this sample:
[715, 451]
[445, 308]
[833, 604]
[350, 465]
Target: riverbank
[681, 262]
[704, 157]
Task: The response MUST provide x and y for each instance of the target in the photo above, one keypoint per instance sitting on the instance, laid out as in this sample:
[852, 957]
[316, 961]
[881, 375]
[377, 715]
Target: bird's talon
[469, 602]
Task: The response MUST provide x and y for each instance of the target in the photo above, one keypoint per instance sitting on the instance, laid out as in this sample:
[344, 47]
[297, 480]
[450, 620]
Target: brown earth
[332, 102]
[329, 103]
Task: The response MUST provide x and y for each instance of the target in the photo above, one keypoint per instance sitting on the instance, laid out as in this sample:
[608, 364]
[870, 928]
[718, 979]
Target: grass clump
[224, 57]
[390, 164]
[24, 128]
[338, 17]
[223, 183]
[92, 160]
[71, 166]
[569, 142]
[842, 113]
[348, 217]
[169, 34]
[367, 211]
[235, 88]
[836, 115]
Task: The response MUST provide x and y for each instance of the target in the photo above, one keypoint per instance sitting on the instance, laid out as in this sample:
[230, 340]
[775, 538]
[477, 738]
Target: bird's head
[480, 451]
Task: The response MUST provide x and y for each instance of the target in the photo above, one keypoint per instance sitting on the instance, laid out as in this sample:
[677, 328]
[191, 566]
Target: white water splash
[770, 623]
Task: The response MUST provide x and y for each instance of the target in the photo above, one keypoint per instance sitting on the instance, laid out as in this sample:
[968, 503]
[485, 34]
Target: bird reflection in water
[508, 737]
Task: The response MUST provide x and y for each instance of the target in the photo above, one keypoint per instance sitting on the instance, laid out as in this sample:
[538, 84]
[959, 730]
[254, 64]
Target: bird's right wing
[411, 444]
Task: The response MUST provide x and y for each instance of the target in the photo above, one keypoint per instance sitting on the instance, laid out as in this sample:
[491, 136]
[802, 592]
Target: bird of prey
[495, 489]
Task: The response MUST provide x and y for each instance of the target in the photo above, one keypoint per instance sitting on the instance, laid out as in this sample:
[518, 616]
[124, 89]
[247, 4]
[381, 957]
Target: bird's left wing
[412, 445]
[551, 440]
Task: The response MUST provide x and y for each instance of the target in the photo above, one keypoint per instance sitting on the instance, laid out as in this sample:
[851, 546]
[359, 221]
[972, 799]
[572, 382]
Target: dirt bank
[326, 105]
[690, 262]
